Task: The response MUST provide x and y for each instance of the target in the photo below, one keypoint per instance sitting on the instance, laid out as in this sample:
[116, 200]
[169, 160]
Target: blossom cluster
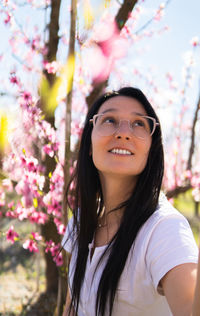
[55, 252]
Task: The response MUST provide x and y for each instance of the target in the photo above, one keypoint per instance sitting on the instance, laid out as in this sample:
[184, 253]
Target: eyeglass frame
[143, 116]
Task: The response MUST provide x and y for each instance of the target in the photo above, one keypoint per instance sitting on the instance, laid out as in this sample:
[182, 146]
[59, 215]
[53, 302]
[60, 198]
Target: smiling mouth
[121, 151]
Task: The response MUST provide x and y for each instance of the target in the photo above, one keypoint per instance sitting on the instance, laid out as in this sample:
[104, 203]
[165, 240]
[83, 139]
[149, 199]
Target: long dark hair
[89, 200]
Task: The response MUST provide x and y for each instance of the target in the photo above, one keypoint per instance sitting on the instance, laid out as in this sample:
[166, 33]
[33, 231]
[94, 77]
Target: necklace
[100, 225]
[102, 222]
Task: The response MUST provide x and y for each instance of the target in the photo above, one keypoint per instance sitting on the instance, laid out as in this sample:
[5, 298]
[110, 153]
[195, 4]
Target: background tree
[38, 164]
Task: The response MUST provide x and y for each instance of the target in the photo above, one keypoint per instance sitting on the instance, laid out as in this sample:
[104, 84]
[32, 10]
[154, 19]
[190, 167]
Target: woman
[132, 252]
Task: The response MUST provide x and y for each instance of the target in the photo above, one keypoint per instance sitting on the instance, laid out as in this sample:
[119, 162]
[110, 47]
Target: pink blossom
[109, 47]
[49, 244]
[54, 208]
[51, 67]
[55, 250]
[36, 236]
[10, 214]
[195, 41]
[48, 150]
[12, 235]
[169, 76]
[196, 194]
[8, 18]
[31, 245]
[22, 212]
[38, 217]
[23, 188]
[61, 229]
[7, 185]
[14, 79]
[27, 97]
[188, 174]
[2, 198]
[11, 204]
[31, 163]
[58, 259]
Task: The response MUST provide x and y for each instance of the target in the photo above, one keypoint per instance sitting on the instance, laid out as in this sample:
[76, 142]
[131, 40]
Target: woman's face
[121, 154]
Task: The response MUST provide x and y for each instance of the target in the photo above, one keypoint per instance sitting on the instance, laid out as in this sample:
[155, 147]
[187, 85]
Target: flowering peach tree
[29, 138]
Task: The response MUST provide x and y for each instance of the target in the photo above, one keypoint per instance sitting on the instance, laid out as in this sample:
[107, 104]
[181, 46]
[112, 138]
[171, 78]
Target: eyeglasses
[141, 126]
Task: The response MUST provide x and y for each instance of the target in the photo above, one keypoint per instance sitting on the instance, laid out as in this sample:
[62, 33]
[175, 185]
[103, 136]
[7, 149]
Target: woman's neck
[115, 191]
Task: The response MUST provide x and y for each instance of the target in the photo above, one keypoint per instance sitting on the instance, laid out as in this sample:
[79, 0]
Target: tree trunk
[196, 208]
[62, 288]
[49, 230]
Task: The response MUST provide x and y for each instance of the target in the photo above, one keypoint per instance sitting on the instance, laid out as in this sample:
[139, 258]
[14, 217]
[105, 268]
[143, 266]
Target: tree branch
[124, 12]
[192, 144]
[121, 19]
[178, 190]
[182, 189]
[52, 44]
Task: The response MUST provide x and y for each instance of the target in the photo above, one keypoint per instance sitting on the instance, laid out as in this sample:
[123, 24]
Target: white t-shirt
[163, 242]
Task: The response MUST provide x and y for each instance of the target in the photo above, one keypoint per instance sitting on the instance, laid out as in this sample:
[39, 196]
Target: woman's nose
[123, 130]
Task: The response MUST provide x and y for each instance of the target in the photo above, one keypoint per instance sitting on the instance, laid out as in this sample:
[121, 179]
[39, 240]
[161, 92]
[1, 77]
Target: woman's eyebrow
[137, 113]
[116, 110]
[109, 110]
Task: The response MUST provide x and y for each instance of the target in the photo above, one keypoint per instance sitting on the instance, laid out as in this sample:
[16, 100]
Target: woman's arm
[196, 304]
[179, 287]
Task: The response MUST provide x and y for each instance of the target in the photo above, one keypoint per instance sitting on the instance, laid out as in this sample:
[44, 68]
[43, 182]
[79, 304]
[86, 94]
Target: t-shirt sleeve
[172, 243]
[69, 238]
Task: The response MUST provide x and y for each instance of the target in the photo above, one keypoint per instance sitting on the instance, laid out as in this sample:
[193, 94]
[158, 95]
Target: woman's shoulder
[165, 210]
[165, 220]
[69, 236]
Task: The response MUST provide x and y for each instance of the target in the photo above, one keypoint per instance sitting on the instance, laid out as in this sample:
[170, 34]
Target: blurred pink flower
[58, 259]
[36, 236]
[12, 235]
[48, 150]
[14, 79]
[31, 245]
[38, 217]
[49, 244]
[7, 185]
[2, 198]
[51, 67]
[195, 41]
[108, 47]
[8, 18]
[27, 97]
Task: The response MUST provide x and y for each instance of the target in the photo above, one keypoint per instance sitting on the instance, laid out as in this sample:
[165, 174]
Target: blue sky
[182, 17]
[159, 55]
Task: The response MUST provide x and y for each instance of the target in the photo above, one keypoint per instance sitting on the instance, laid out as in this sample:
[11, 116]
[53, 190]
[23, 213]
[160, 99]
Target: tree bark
[52, 44]
[192, 144]
[178, 190]
[62, 284]
[49, 230]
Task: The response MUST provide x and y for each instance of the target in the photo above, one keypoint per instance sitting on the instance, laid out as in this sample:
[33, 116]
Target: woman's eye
[109, 120]
[139, 123]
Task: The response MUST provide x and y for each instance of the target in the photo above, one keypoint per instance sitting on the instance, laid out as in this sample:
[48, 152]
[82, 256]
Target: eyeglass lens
[140, 126]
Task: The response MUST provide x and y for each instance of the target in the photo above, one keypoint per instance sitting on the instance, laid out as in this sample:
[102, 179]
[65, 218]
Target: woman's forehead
[122, 104]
